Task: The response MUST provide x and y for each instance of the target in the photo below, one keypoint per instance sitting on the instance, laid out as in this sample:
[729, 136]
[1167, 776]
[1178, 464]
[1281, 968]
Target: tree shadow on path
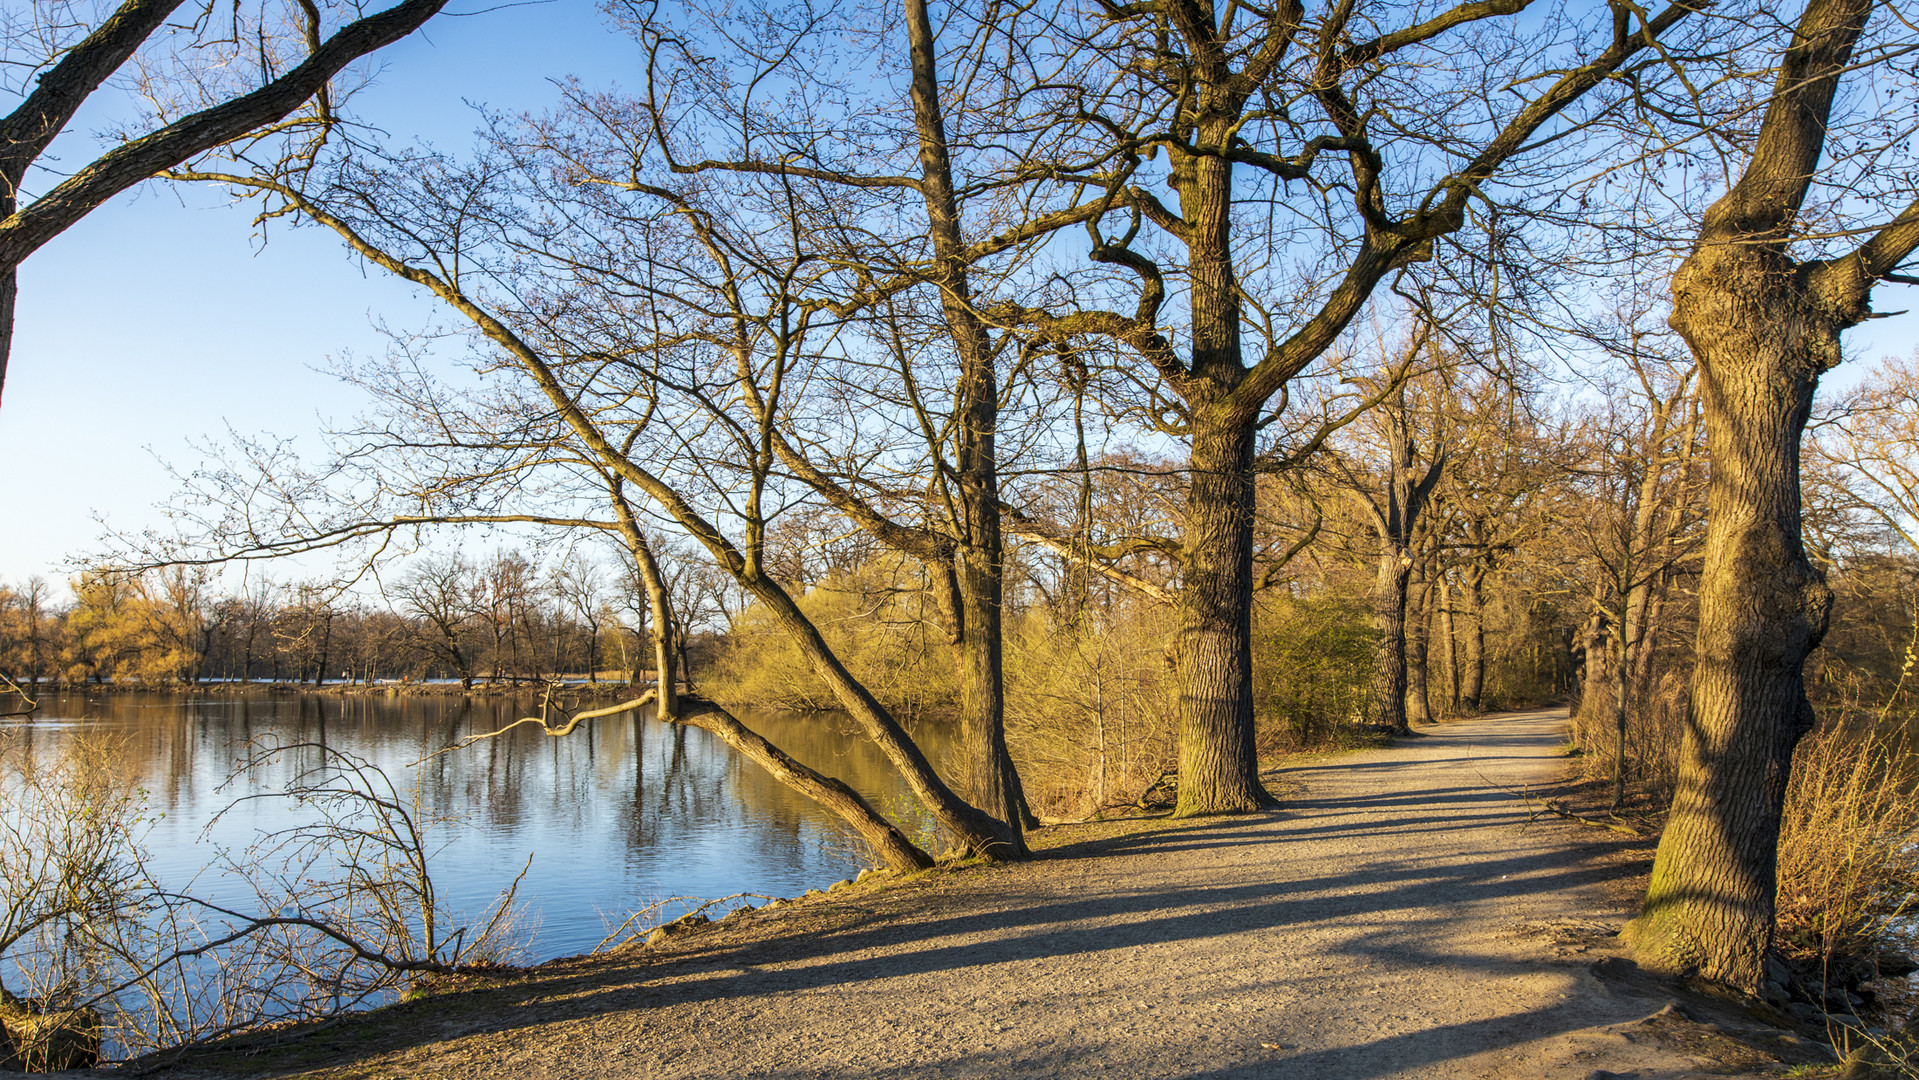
[1382, 874]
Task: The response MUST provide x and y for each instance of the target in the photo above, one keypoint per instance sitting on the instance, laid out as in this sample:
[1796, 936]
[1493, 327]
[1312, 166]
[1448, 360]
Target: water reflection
[616, 815]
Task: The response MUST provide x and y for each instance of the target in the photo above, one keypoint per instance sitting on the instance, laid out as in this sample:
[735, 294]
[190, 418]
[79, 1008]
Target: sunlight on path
[1394, 919]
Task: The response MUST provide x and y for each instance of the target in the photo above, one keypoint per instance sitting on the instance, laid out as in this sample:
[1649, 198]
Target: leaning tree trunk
[1762, 344]
[670, 707]
[1389, 642]
[9, 292]
[882, 836]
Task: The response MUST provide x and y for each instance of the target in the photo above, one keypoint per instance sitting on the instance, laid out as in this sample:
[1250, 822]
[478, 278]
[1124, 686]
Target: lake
[623, 812]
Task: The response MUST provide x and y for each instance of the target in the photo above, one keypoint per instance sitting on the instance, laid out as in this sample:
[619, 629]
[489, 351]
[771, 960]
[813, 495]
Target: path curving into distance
[1401, 917]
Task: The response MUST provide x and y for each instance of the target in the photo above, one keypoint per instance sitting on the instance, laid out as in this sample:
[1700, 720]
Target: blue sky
[160, 318]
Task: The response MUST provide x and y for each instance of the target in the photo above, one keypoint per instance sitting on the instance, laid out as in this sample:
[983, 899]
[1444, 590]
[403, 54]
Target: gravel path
[1401, 917]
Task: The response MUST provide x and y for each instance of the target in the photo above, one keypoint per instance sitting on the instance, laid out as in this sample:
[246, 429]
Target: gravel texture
[1404, 915]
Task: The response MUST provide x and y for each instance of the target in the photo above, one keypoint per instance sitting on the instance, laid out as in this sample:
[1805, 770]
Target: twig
[1558, 811]
[32, 705]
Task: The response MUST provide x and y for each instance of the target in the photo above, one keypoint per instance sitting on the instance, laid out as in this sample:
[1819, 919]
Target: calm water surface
[622, 812]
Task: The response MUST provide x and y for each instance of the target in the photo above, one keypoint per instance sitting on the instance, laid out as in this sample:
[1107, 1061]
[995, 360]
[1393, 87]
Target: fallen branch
[1616, 826]
[1556, 810]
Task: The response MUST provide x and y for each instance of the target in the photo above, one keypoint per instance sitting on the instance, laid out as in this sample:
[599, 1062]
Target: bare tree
[1394, 492]
[502, 591]
[66, 72]
[439, 590]
[1641, 483]
[577, 583]
[658, 377]
[1363, 169]
[1869, 440]
[1764, 326]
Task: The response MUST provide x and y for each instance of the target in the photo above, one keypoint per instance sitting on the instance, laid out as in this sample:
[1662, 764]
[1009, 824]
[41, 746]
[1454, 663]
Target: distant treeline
[502, 619]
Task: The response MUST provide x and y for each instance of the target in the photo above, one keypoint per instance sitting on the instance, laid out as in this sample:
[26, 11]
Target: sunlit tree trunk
[1472, 669]
[1762, 610]
[1390, 579]
[1419, 611]
[1218, 763]
[1764, 328]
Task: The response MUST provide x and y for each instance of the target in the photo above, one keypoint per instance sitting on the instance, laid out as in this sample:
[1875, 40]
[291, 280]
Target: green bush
[1312, 668]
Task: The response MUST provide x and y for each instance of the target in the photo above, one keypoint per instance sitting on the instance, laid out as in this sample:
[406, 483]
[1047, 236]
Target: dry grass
[1848, 854]
[1090, 714]
[1655, 723]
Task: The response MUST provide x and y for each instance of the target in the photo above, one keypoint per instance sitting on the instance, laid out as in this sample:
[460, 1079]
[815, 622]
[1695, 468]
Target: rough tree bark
[1218, 763]
[1764, 327]
[1395, 569]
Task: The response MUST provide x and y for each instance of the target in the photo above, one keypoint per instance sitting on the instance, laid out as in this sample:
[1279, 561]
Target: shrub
[1091, 719]
[1655, 722]
[99, 954]
[879, 619]
[1312, 669]
[1849, 841]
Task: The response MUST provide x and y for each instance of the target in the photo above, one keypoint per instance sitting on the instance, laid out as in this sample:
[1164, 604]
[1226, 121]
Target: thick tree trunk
[1419, 610]
[1218, 763]
[1389, 643]
[1764, 328]
[1762, 344]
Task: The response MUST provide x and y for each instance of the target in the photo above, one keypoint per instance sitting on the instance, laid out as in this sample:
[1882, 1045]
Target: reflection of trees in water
[649, 800]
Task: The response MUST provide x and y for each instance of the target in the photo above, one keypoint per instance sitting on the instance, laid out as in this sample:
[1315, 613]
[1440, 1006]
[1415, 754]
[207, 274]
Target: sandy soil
[1403, 916]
